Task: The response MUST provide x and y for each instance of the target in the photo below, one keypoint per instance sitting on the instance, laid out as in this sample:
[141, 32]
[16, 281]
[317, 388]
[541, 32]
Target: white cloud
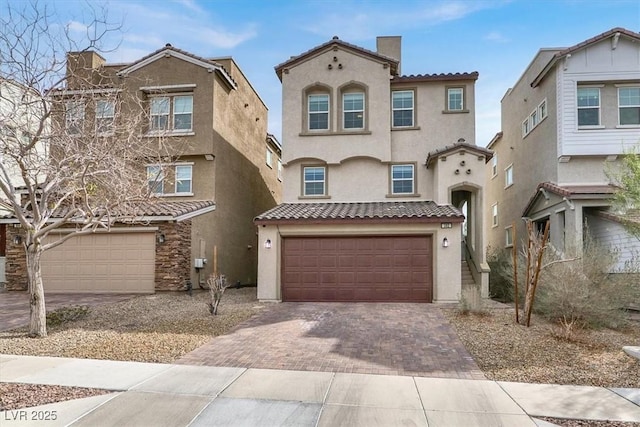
[496, 36]
[77, 27]
[222, 38]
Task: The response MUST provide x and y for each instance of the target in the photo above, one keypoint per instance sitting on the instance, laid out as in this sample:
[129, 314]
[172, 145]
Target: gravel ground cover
[163, 327]
[150, 328]
[506, 351]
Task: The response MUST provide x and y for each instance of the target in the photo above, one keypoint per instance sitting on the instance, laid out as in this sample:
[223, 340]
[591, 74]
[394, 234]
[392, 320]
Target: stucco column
[269, 250]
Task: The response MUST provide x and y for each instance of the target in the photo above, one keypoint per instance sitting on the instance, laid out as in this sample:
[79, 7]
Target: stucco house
[383, 195]
[565, 122]
[224, 172]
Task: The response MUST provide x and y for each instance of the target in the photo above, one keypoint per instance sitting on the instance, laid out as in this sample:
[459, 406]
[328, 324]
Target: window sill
[395, 196]
[174, 195]
[455, 111]
[494, 226]
[493, 176]
[405, 128]
[169, 133]
[313, 197]
[269, 166]
[590, 127]
[341, 133]
[508, 186]
[323, 132]
[628, 126]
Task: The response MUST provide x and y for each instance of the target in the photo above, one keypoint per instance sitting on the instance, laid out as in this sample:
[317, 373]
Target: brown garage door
[104, 262]
[375, 269]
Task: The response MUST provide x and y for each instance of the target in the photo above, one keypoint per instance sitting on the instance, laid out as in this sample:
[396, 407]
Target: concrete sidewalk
[148, 394]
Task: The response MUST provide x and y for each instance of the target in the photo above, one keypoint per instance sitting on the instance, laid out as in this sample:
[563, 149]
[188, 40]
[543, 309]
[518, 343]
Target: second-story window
[455, 99]
[402, 179]
[170, 180]
[314, 180]
[279, 170]
[318, 112]
[494, 215]
[494, 166]
[74, 117]
[588, 106]
[402, 108]
[629, 106]
[172, 113]
[105, 112]
[353, 110]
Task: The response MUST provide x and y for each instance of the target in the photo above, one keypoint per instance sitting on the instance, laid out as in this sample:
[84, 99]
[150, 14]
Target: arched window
[317, 108]
[353, 106]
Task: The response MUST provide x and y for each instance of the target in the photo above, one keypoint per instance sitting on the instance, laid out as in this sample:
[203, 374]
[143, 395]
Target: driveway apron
[371, 338]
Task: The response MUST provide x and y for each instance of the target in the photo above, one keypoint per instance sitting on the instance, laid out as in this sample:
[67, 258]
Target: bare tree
[71, 138]
[217, 285]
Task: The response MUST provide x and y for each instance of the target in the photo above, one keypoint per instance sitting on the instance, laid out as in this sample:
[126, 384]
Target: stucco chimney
[390, 46]
[81, 66]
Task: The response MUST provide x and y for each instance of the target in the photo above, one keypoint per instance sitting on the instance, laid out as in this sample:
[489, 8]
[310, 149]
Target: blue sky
[497, 38]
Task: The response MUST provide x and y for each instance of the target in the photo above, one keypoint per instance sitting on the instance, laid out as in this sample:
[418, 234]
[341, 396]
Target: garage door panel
[110, 262]
[375, 268]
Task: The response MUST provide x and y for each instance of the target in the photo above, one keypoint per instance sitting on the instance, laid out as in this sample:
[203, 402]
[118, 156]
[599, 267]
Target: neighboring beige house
[224, 171]
[378, 169]
[570, 116]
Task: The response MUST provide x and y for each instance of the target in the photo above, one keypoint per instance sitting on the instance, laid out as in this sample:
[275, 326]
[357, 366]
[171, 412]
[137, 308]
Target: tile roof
[435, 77]
[459, 145]
[427, 211]
[160, 210]
[563, 52]
[337, 42]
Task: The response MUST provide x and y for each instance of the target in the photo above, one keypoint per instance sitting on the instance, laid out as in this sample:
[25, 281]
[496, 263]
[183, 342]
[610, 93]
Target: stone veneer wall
[173, 257]
[16, 262]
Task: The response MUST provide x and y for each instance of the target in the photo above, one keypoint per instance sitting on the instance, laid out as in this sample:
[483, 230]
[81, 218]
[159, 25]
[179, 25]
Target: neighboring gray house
[570, 116]
[378, 169]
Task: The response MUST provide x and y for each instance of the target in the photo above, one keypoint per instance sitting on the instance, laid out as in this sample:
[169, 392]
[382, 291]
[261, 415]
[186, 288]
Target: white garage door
[103, 262]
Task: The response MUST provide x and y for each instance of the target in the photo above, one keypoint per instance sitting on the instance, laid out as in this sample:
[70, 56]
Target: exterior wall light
[445, 243]
[17, 239]
[267, 244]
[161, 238]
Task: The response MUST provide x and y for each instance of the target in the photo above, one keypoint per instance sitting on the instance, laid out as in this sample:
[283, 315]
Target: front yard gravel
[163, 327]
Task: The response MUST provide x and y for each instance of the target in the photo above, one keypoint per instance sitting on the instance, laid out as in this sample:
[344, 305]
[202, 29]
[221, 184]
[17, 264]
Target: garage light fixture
[17, 239]
[267, 244]
[161, 238]
[445, 243]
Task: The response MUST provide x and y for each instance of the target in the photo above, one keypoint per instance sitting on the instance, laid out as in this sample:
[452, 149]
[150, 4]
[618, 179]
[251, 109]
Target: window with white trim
[402, 106]
[279, 170]
[155, 178]
[105, 112]
[588, 106]
[314, 180]
[74, 117]
[525, 127]
[629, 106]
[542, 109]
[318, 110]
[184, 179]
[508, 176]
[402, 179]
[533, 118]
[494, 166]
[508, 236]
[353, 110]
[455, 99]
[269, 158]
[172, 179]
[172, 113]
[494, 215]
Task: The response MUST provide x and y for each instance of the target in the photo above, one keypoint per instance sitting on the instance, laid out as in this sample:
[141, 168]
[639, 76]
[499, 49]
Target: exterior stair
[470, 292]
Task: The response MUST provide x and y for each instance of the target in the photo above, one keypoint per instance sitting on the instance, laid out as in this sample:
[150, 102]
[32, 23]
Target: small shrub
[501, 274]
[580, 293]
[67, 314]
[217, 285]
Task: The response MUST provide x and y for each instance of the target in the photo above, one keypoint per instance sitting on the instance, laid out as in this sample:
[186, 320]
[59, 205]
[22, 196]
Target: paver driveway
[374, 338]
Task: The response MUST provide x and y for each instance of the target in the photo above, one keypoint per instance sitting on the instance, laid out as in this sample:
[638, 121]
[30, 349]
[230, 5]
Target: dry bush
[217, 285]
[581, 293]
[501, 275]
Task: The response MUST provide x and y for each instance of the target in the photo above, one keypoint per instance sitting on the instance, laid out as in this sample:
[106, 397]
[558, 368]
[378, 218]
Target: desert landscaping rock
[163, 327]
